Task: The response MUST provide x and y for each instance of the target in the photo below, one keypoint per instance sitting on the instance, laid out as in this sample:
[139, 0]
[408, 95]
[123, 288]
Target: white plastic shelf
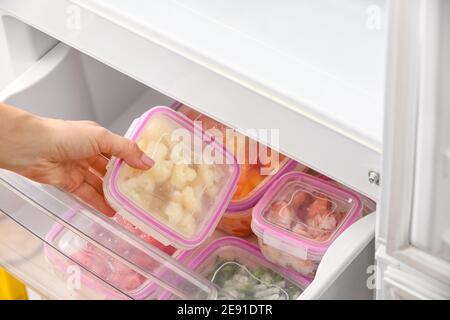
[313, 70]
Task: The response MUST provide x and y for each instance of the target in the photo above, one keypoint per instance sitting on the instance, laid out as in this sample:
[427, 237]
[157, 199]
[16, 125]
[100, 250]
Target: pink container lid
[252, 249]
[292, 214]
[145, 220]
[252, 253]
[247, 202]
[253, 197]
[369, 206]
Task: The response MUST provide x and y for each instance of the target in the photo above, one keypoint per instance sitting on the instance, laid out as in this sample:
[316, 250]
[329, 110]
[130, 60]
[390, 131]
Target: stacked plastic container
[240, 272]
[100, 268]
[196, 185]
[369, 206]
[256, 174]
[299, 218]
[182, 198]
[174, 206]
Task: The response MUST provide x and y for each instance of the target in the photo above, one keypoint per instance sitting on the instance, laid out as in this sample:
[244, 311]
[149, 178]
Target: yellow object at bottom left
[11, 288]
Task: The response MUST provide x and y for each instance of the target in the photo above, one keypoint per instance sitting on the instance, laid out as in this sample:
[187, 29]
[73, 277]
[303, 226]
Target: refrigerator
[357, 88]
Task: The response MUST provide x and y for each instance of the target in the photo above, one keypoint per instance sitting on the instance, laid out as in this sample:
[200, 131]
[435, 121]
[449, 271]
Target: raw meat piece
[298, 199]
[280, 213]
[133, 229]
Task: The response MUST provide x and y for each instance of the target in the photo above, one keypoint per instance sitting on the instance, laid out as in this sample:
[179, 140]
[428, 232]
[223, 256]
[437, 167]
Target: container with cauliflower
[256, 174]
[240, 272]
[299, 217]
[181, 199]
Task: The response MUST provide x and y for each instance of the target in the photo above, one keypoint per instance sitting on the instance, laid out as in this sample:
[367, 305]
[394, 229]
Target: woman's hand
[71, 155]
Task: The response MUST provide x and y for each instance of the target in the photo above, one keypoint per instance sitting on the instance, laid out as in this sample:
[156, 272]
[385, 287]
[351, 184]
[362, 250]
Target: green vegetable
[239, 282]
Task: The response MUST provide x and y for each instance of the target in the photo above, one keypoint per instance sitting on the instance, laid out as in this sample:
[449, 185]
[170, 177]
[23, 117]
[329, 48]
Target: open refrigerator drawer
[67, 84]
[64, 251]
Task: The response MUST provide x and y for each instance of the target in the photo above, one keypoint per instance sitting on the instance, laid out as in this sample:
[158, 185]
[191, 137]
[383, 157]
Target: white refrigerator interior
[313, 69]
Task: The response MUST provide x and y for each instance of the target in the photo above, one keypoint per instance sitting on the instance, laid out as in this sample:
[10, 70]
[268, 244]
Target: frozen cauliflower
[176, 195]
[189, 200]
[182, 175]
[176, 191]
[158, 151]
[212, 191]
[162, 171]
[188, 225]
[129, 172]
[159, 128]
[181, 153]
[206, 173]
[174, 213]
[179, 219]
[141, 183]
[138, 188]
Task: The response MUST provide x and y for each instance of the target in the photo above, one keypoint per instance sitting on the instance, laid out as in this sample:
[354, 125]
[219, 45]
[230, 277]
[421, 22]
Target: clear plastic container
[182, 198]
[369, 206]
[147, 238]
[299, 217]
[98, 264]
[30, 218]
[253, 180]
[240, 272]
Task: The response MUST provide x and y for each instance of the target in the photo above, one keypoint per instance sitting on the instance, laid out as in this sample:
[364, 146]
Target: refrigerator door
[401, 285]
[413, 227]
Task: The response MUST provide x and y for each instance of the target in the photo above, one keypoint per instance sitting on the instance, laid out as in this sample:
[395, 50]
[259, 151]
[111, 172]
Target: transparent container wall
[243, 276]
[22, 253]
[48, 239]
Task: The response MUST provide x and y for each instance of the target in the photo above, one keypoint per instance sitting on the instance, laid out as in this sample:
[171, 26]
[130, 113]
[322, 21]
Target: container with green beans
[240, 272]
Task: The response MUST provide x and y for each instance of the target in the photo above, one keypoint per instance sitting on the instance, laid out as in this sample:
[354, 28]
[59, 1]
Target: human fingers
[95, 181]
[125, 149]
[89, 195]
[99, 163]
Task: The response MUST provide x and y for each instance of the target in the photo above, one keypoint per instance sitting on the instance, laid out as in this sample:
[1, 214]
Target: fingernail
[147, 161]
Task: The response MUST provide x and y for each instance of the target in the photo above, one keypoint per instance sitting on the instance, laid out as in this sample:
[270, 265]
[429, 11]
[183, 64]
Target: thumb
[125, 149]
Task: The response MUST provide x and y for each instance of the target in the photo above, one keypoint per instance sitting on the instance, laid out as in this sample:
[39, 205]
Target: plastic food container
[99, 267]
[369, 206]
[253, 180]
[147, 238]
[240, 272]
[299, 217]
[182, 198]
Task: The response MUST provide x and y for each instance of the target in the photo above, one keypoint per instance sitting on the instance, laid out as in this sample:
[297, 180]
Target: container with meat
[101, 272]
[240, 272]
[256, 174]
[182, 198]
[369, 206]
[299, 217]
